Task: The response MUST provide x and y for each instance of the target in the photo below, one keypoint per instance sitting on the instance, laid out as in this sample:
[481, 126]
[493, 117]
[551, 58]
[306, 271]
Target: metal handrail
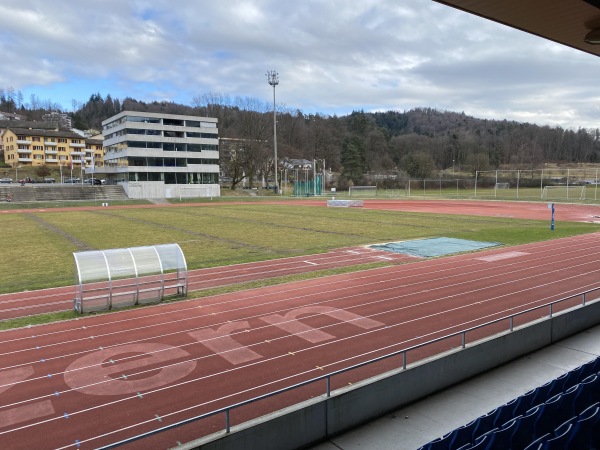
[227, 409]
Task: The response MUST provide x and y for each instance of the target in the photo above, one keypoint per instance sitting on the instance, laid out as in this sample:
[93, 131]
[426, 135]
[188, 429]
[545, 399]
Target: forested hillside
[416, 143]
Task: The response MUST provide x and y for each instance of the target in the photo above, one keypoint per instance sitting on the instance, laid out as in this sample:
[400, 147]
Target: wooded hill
[415, 143]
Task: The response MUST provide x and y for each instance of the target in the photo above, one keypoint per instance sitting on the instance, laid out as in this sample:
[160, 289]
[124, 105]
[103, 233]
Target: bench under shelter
[125, 277]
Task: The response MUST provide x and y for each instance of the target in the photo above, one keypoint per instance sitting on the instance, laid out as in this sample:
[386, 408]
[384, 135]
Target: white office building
[156, 155]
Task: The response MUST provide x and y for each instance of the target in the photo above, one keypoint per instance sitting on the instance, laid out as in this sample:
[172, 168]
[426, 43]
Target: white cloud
[333, 56]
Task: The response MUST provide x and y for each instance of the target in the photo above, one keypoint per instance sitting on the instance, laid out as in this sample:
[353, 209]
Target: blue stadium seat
[463, 435]
[524, 403]
[568, 409]
[561, 438]
[572, 398]
[558, 385]
[537, 444]
[549, 416]
[590, 368]
[505, 412]
[585, 430]
[464, 447]
[523, 433]
[541, 393]
[588, 394]
[481, 443]
[574, 377]
[502, 437]
[484, 424]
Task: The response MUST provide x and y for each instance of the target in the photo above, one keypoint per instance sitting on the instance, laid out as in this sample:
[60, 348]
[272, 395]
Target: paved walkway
[411, 427]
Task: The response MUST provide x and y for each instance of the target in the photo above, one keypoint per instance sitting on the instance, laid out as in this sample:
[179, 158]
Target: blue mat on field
[426, 248]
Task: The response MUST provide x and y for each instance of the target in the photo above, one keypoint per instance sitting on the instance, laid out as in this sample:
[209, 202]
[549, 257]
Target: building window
[140, 119]
[173, 122]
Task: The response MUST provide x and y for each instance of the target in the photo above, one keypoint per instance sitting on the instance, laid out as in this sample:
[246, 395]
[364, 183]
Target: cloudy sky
[332, 56]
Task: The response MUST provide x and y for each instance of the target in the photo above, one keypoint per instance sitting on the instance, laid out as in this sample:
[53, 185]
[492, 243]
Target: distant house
[297, 164]
[62, 118]
[38, 146]
[94, 152]
[18, 121]
[10, 116]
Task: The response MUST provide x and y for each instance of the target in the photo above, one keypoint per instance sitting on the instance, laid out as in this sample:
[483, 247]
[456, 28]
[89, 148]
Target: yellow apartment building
[54, 148]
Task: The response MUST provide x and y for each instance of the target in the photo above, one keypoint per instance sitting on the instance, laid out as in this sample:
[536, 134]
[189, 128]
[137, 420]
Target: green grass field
[38, 246]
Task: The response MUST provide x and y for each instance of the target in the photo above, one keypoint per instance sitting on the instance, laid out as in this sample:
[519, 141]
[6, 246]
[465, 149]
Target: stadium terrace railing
[227, 410]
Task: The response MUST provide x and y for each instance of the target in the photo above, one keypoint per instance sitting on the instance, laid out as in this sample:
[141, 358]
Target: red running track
[517, 210]
[61, 299]
[93, 381]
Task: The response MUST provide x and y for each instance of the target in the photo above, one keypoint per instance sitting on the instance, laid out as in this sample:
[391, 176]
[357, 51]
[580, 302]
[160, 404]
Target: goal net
[572, 192]
[362, 191]
[502, 186]
[193, 191]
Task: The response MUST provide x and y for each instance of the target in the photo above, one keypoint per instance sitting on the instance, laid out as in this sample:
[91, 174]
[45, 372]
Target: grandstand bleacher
[472, 406]
[561, 414]
[62, 192]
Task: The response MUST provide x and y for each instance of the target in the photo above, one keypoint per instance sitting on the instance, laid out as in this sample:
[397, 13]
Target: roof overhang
[566, 22]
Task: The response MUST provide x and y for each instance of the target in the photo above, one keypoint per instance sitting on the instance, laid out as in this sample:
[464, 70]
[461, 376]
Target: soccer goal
[572, 192]
[362, 191]
[502, 186]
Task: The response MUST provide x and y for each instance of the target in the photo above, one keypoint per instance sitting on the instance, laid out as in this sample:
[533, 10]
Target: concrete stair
[58, 192]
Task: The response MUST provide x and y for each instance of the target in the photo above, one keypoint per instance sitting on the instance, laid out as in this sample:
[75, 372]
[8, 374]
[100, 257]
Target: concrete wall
[158, 189]
[321, 418]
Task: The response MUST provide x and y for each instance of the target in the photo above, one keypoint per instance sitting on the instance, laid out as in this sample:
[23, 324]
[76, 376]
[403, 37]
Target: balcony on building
[24, 141]
[75, 145]
[50, 151]
[53, 143]
[25, 159]
[77, 153]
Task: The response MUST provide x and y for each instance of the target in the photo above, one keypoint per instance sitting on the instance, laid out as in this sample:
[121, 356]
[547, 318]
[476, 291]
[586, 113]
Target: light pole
[273, 79]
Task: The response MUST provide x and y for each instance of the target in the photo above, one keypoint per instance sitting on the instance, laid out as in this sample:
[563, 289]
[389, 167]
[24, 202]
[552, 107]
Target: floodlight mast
[273, 80]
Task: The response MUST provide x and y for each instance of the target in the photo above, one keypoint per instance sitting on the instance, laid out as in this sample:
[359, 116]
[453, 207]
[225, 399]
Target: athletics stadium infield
[94, 381]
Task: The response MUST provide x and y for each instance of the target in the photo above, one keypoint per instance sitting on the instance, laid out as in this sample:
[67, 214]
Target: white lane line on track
[502, 256]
